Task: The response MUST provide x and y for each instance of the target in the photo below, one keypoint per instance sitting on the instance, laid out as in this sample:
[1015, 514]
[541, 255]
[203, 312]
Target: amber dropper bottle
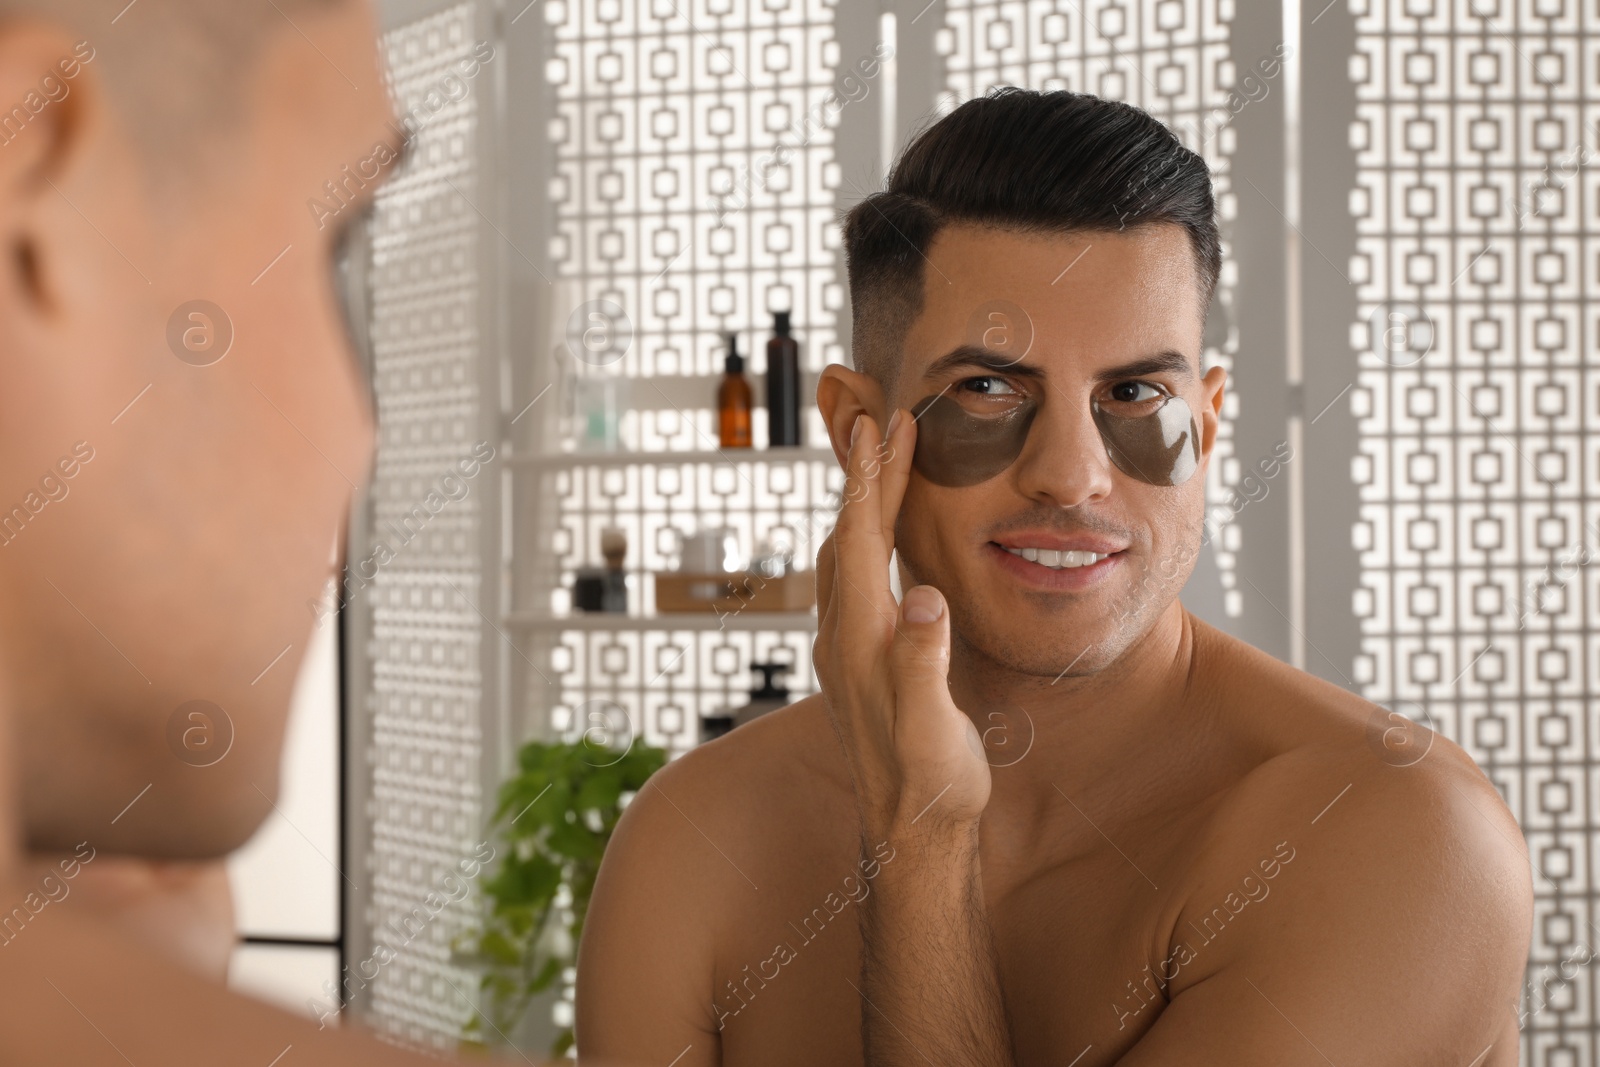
[734, 400]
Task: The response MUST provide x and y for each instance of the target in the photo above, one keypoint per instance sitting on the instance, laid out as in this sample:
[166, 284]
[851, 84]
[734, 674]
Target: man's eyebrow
[1167, 362]
[984, 358]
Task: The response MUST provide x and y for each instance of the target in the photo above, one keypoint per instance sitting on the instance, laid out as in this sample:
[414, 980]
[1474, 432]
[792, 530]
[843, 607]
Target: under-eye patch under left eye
[1161, 448]
[956, 448]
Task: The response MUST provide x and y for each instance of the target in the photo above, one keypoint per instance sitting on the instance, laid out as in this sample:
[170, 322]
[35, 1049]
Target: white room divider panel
[422, 581]
[1474, 396]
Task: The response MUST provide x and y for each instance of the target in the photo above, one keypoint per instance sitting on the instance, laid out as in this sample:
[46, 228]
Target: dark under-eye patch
[1161, 448]
[956, 448]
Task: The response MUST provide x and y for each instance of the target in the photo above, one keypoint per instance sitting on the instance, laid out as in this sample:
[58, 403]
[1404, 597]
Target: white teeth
[1057, 560]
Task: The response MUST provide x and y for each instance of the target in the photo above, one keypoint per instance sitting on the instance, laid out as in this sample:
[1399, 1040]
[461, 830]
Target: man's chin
[1036, 652]
[1048, 636]
[176, 817]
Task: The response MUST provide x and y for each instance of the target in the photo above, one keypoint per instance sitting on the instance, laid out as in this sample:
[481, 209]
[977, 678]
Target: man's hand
[921, 782]
[914, 758]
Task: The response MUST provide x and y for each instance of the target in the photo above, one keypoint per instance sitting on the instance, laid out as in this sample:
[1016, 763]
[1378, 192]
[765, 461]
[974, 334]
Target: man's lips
[1058, 569]
[1048, 542]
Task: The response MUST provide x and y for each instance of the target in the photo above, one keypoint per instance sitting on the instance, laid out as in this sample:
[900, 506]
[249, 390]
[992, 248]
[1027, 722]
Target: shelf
[742, 620]
[550, 460]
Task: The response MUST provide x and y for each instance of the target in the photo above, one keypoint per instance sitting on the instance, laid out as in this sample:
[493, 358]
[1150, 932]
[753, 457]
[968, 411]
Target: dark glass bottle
[783, 384]
[734, 400]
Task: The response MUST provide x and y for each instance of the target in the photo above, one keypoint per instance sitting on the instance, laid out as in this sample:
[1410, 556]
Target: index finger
[827, 587]
[895, 472]
[861, 547]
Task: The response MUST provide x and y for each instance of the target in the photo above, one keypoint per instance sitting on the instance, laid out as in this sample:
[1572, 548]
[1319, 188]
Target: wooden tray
[733, 593]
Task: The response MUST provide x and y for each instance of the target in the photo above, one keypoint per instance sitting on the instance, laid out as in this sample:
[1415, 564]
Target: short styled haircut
[1025, 161]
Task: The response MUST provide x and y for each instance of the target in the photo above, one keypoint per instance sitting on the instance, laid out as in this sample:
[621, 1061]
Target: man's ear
[1215, 386]
[842, 394]
[48, 95]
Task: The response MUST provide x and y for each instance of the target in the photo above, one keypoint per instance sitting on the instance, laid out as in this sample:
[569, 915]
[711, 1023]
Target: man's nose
[1064, 461]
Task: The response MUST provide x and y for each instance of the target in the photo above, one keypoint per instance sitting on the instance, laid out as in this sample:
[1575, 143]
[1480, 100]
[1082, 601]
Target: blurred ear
[49, 90]
[842, 394]
[1215, 386]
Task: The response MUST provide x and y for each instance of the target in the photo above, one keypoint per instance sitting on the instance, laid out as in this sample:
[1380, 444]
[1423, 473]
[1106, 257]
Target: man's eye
[1135, 392]
[988, 385]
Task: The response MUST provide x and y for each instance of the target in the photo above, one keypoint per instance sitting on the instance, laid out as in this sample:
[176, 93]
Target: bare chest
[1074, 943]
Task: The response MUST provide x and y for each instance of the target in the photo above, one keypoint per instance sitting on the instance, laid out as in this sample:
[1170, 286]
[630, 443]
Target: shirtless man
[1039, 814]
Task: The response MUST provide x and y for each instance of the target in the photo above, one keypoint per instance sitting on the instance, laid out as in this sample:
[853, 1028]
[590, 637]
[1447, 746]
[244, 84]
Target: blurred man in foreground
[182, 427]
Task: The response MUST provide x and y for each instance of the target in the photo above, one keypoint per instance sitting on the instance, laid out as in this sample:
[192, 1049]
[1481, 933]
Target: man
[1038, 813]
[168, 499]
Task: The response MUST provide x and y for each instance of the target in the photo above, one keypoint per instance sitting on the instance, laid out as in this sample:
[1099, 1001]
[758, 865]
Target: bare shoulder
[1358, 852]
[685, 870]
[785, 762]
[1329, 763]
[1312, 750]
[714, 814]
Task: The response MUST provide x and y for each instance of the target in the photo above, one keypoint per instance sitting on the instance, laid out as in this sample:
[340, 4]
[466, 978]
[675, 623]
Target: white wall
[285, 881]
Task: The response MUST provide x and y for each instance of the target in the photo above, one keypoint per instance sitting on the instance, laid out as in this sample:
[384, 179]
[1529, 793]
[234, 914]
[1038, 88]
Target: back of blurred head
[182, 421]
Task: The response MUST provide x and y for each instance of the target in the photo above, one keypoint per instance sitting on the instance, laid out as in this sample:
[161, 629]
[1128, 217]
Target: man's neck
[1044, 737]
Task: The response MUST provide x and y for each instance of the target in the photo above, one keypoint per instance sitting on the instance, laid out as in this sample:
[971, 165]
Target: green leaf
[500, 987]
[543, 819]
[546, 975]
[575, 840]
[497, 948]
[526, 881]
[599, 793]
[532, 755]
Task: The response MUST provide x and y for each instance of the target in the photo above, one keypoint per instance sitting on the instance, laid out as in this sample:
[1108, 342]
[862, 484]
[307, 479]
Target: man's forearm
[930, 983]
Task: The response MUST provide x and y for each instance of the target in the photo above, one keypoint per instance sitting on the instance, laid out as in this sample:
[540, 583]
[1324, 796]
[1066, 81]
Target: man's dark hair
[1021, 160]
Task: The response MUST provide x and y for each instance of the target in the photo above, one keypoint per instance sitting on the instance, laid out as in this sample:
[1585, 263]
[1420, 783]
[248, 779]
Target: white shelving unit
[657, 672]
[665, 199]
[542, 461]
[743, 620]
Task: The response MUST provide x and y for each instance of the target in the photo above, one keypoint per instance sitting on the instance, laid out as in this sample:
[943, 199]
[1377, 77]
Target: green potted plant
[554, 817]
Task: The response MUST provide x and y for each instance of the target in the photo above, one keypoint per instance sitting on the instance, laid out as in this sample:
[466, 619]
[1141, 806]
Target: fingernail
[922, 604]
[855, 431]
[894, 420]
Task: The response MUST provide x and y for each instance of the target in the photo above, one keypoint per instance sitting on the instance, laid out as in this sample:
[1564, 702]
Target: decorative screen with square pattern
[694, 187]
[1476, 266]
[424, 811]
